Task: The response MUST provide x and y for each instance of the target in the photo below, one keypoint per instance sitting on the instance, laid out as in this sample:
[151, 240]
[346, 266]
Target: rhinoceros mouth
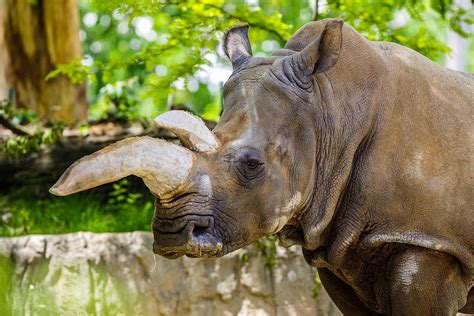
[196, 239]
[200, 245]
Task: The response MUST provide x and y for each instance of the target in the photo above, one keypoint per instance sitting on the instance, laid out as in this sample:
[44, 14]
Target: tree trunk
[35, 37]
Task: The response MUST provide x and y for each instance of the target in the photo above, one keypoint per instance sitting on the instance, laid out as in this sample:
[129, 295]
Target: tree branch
[15, 129]
[257, 25]
[316, 11]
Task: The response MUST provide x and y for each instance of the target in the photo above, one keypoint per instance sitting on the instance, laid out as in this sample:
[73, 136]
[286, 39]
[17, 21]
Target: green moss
[6, 281]
[316, 287]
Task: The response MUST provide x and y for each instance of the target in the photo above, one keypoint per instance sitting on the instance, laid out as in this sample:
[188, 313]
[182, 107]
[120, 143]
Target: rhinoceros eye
[253, 164]
[250, 169]
[248, 165]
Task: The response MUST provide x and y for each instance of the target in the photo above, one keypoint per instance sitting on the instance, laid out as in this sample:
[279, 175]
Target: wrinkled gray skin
[360, 152]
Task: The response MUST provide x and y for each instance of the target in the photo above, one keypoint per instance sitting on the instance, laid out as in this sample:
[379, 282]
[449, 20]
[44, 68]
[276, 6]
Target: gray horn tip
[56, 190]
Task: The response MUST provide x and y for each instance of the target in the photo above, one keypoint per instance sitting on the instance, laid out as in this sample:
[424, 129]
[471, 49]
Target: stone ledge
[116, 273]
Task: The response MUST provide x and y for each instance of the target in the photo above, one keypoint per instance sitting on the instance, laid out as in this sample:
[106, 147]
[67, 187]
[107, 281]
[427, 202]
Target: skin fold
[360, 152]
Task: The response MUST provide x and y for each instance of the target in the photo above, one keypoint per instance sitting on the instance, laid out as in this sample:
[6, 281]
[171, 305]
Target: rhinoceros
[360, 152]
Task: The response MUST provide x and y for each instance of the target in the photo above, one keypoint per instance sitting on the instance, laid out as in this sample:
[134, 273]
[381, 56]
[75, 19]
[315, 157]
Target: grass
[22, 212]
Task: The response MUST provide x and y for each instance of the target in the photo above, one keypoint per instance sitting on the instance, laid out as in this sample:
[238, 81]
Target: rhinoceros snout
[192, 236]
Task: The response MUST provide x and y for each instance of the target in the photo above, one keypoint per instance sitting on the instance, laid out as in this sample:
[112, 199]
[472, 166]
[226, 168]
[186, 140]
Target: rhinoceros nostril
[202, 227]
[170, 227]
[200, 230]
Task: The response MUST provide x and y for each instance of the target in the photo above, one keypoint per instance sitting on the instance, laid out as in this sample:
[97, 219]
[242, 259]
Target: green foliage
[117, 101]
[244, 256]
[75, 70]
[458, 17]
[25, 142]
[6, 109]
[316, 287]
[268, 248]
[211, 15]
[22, 213]
[121, 196]
[396, 21]
[181, 36]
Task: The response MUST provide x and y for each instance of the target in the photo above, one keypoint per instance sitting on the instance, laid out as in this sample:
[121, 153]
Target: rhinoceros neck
[398, 141]
[347, 102]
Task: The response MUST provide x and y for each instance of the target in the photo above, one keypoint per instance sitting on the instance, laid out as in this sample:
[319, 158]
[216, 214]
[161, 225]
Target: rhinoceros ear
[323, 53]
[237, 44]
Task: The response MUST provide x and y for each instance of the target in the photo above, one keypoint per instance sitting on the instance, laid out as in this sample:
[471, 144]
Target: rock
[117, 274]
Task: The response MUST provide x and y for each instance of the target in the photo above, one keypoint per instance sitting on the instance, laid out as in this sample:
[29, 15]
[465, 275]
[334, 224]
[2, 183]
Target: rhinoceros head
[253, 174]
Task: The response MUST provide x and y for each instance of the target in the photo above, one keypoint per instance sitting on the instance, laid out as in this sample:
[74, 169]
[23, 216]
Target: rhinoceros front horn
[163, 166]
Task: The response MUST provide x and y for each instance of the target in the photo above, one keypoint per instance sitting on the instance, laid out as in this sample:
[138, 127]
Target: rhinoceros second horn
[190, 129]
[163, 166]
